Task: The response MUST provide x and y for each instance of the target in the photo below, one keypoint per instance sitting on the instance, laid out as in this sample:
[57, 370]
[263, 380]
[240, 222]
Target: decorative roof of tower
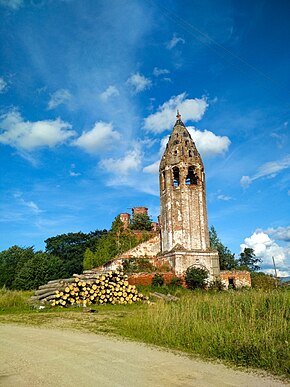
[180, 147]
[178, 121]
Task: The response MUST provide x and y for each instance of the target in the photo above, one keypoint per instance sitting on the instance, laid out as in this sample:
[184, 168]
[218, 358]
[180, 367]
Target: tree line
[23, 268]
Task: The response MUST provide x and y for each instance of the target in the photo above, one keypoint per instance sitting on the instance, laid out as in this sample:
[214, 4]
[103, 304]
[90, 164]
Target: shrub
[176, 281]
[195, 278]
[263, 281]
[216, 285]
[158, 280]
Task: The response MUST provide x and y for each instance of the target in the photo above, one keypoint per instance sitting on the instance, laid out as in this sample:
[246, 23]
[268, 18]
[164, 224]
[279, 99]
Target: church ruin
[183, 240]
[183, 216]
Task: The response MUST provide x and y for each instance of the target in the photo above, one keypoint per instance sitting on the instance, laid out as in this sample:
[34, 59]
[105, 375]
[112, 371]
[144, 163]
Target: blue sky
[88, 95]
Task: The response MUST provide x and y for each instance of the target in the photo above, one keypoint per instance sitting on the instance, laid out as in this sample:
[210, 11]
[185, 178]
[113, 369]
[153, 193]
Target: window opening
[175, 177]
[185, 134]
[175, 142]
[163, 180]
[175, 153]
[186, 142]
[191, 177]
[189, 153]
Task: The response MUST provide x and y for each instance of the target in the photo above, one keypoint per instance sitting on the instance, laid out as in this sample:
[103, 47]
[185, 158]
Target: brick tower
[183, 217]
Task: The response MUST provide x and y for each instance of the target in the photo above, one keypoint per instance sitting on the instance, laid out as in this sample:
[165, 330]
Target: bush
[216, 285]
[158, 280]
[195, 278]
[176, 281]
[263, 281]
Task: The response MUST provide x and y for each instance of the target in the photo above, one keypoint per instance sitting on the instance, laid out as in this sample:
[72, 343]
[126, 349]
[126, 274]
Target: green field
[244, 328]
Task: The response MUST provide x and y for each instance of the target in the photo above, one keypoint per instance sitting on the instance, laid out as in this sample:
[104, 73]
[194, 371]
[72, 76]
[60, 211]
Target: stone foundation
[181, 260]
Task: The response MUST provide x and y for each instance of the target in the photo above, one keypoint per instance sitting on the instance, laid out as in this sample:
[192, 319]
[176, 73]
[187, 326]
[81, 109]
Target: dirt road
[32, 356]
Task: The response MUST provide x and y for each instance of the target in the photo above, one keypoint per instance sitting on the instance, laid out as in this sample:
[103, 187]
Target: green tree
[227, 259]
[141, 222]
[196, 277]
[88, 262]
[248, 260]
[11, 261]
[71, 247]
[38, 270]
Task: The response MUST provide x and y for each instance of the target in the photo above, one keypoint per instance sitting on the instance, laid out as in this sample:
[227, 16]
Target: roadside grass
[247, 328]
[244, 328]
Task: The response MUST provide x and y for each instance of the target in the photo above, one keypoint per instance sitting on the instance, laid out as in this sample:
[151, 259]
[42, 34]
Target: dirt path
[32, 356]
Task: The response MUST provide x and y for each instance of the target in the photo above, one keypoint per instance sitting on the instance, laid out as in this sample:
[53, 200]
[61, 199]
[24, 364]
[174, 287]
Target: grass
[244, 328]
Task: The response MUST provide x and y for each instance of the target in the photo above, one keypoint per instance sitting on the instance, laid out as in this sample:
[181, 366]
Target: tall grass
[245, 328]
[13, 299]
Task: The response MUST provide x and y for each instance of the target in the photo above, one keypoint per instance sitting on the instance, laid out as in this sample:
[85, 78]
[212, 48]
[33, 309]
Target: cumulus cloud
[3, 85]
[269, 169]
[279, 233]
[28, 135]
[14, 4]
[139, 82]
[163, 119]
[208, 143]
[122, 166]
[266, 248]
[174, 41]
[97, 138]
[157, 71]
[111, 91]
[59, 97]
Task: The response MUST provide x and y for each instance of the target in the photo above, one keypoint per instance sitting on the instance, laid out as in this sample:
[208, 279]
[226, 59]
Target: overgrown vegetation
[244, 328]
[138, 265]
[114, 243]
[196, 278]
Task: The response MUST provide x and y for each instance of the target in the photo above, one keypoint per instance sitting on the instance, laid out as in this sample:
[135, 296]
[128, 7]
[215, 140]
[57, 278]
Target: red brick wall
[146, 278]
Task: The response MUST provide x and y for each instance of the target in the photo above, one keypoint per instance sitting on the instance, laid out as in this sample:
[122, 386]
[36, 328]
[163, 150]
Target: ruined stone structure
[183, 218]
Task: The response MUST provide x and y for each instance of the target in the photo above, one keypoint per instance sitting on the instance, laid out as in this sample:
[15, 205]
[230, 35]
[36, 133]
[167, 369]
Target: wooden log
[44, 295]
[47, 290]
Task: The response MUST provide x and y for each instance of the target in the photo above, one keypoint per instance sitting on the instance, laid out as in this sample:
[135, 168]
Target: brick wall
[235, 279]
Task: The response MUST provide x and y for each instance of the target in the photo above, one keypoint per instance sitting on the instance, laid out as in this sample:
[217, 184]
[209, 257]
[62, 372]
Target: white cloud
[163, 119]
[269, 169]
[224, 197]
[59, 97]
[152, 168]
[208, 143]
[157, 71]
[74, 174]
[122, 166]
[139, 82]
[265, 248]
[174, 41]
[111, 91]
[14, 4]
[280, 233]
[29, 204]
[3, 85]
[97, 138]
[28, 135]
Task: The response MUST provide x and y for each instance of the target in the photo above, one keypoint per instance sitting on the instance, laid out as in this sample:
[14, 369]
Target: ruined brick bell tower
[183, 217]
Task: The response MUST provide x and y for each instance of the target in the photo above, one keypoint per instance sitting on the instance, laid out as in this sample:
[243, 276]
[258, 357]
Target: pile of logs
[89, 288]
